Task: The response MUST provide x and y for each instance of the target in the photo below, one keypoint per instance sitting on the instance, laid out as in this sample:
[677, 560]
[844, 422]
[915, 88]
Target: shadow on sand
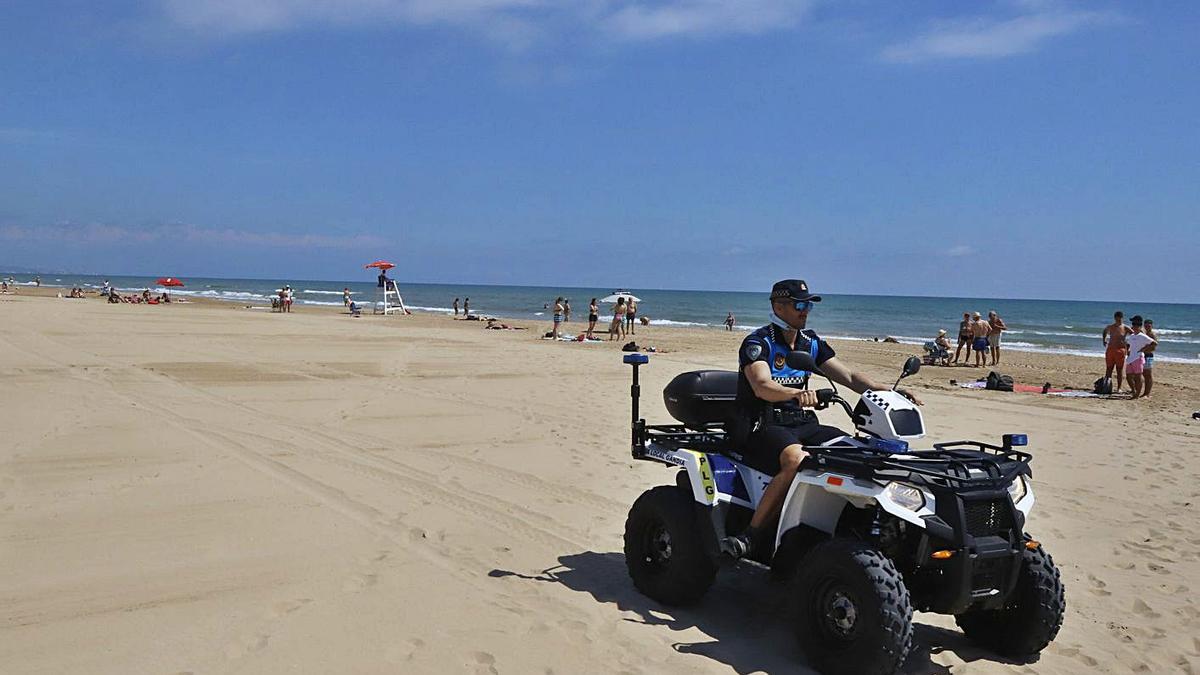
[746, 614]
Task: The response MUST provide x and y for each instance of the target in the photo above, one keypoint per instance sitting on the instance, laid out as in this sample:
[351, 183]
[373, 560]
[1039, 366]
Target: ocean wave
[1169, 331]
[440, 310]
[309, 291]
[1189, 341]
[669, 322]
[323, 303]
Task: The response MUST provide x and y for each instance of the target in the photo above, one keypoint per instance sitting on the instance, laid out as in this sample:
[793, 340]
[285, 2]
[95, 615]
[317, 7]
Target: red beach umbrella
[169, 282]
[381, 264]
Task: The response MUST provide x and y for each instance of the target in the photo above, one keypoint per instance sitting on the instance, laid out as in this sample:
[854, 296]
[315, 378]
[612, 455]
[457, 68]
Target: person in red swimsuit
[1113, 337]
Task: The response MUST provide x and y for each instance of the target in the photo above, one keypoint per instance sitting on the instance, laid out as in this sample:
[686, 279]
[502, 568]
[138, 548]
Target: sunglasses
[804, 305]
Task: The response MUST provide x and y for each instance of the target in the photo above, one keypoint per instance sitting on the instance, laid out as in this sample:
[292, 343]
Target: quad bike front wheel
[663, 548]
[1030, 619]
[854, 614]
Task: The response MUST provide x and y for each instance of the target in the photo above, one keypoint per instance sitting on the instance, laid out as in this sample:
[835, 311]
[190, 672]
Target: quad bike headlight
[1017, 489]
[905, 495]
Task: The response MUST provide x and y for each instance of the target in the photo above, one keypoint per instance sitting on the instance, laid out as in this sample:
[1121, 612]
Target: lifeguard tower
[389, 294]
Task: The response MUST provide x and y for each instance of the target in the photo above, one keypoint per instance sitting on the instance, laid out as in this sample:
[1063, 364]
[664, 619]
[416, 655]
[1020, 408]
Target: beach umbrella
[169, 282]
[381, 264]
[620, 294]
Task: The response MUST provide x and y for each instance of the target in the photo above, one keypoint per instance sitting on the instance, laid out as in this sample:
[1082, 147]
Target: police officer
[773, 400]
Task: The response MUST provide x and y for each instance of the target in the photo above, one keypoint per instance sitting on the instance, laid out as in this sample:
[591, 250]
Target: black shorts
[760, 451]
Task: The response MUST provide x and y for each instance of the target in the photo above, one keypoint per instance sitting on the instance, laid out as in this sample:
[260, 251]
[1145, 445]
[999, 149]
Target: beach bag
[998, 382]
[1103, 386]
[629, 347]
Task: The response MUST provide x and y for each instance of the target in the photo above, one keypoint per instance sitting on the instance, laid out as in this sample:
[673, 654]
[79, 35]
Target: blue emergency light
[1015, 440]
[636, 359]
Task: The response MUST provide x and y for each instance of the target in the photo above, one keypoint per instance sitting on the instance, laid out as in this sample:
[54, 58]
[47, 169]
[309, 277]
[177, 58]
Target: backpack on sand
[998, 382]
[629, 347]
[1103, 386]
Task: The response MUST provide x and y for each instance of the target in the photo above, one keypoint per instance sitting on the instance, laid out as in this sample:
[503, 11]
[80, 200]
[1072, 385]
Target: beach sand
[204, 488]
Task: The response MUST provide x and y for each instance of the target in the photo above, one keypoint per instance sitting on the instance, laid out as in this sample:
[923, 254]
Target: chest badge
[780, 361]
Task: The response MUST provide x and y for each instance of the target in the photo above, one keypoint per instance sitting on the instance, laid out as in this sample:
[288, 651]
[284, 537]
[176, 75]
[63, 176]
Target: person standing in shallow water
[729, 321]
[456, 307]
[466, 306]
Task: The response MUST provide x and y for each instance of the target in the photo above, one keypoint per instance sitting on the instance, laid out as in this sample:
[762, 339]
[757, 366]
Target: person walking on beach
[729, 321]
[964, 336]
[558, 316]
[630, 316]
[1135, 359]
[1148, 350]
[1115, 349]
[979, 332]
[593, 316]
[345, 297]
[617, 327]
[996, 326]
[287, 299]
[466, 307]
[456, 307]
[774, 419]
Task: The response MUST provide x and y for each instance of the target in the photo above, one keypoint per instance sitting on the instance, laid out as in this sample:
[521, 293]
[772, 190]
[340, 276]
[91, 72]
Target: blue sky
[1005, 149]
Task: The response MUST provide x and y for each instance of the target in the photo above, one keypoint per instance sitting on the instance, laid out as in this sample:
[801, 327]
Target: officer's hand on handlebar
[806, 398]
[910, 396]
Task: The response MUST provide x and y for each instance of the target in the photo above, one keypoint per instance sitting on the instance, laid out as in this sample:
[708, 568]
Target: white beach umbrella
[620, 294]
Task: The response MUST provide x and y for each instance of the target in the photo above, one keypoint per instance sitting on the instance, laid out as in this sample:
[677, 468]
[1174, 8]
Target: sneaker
[736, 547]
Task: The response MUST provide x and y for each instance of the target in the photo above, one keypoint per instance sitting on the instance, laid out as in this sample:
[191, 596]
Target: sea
[1046, 326]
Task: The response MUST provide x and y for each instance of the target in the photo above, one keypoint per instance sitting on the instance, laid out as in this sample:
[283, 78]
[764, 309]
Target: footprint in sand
[405, 652]
[358, 582]
[1098, 586]
[1141, 608]
[247, 645]
[288, 606]
[484, 662]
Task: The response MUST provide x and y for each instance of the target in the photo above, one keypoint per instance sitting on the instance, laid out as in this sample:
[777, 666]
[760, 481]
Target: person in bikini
[964, 336]
[1115, 349]
[593, 317]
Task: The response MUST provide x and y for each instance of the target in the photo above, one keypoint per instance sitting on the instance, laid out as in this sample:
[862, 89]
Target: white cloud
[509, 21]
[646, 20]
[960, 251]
[98, 234]
[990, 37]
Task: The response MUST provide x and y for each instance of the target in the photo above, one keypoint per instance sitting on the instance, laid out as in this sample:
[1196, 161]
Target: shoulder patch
[753, 350]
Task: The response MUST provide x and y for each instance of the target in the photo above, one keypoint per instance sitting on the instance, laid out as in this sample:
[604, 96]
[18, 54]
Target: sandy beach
[204, 488]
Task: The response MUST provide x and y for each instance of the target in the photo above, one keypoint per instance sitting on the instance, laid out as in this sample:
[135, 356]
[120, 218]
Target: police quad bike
[870, 531]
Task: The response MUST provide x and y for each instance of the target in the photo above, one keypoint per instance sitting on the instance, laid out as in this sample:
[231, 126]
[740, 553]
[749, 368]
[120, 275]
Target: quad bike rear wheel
[663, 548]
[1030, 619]
[854, 612]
